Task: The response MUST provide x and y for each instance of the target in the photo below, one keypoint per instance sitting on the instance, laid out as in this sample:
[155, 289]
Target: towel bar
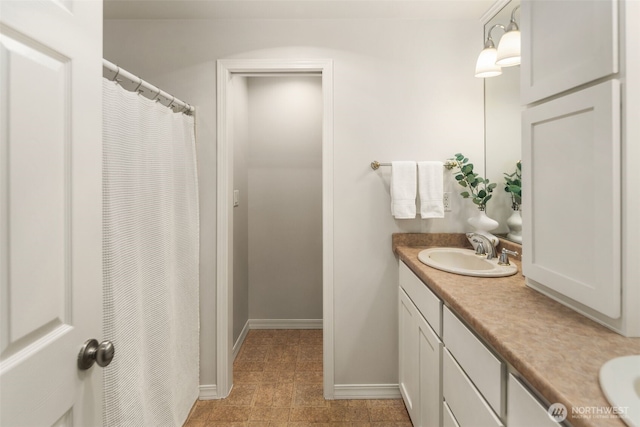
[375, 165]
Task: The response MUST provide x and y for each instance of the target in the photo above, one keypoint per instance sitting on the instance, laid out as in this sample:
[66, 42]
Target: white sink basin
[620, 383]
[465, 262]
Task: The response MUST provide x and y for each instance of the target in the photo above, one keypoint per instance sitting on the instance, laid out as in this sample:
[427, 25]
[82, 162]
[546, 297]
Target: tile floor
[278, 382]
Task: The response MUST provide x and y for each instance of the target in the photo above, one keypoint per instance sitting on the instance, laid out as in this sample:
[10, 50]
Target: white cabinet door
[420, 374]
[409, 368]
[565, 44]
[50, 210]
[571, 178]
[430, 361]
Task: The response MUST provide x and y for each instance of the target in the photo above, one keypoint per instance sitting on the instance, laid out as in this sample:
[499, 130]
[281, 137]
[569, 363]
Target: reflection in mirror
[502, 125]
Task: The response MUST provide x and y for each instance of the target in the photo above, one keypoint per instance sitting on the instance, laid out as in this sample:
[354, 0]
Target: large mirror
[502, 125]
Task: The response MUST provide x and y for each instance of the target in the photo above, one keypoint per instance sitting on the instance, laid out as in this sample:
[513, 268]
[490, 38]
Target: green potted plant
[513, 186]
[478, 188]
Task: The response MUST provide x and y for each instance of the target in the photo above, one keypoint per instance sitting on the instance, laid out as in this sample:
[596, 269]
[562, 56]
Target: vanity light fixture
[486, 65]
[509, 46]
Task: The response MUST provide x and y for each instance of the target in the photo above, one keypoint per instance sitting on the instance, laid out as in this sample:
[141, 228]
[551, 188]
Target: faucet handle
[480, 250]
[504, 256]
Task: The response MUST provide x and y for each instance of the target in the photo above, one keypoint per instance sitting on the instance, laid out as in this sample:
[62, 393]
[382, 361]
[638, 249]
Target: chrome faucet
[504, 256]
[480, 246]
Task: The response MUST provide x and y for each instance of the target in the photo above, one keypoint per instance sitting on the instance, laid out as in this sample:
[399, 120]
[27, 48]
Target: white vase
[514, 222]
[482, 224]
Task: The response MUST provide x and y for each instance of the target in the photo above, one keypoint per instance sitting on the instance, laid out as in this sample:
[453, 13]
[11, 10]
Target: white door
[50, 210]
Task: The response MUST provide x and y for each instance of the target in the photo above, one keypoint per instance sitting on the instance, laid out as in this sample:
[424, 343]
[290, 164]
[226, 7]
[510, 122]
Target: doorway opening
[299, 71]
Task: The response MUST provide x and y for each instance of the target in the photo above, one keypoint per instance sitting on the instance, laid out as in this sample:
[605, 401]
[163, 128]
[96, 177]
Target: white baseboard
[208, 392]
[240, 340]
[366, 391]
[285, 323]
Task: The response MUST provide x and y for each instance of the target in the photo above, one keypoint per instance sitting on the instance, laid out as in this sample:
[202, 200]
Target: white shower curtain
[150, 251]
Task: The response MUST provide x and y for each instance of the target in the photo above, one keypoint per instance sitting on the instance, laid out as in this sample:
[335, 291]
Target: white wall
[285, 198]
[240, 129]
[403, 89]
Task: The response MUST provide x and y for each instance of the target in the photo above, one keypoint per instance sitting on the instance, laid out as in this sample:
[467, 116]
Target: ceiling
[296, 9]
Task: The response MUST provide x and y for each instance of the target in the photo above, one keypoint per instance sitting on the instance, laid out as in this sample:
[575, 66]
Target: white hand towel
[430, 188]
[403, 190]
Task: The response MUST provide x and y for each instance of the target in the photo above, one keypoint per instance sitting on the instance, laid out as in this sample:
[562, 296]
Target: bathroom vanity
[491, 351]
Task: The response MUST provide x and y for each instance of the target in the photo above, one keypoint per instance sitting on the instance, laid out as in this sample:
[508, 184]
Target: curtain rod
[133, 83]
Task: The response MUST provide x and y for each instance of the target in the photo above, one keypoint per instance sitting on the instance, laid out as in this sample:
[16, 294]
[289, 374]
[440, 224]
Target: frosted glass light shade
[486, 65]
[509, 49]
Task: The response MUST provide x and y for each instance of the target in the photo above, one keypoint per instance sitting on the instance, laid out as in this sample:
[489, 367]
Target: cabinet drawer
[426, 301]
[482, 367]
[465, 401]
[524, 409]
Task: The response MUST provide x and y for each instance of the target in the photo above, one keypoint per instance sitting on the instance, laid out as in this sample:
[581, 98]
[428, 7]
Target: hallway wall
[285, 197]
[240, 278]
[401, 91]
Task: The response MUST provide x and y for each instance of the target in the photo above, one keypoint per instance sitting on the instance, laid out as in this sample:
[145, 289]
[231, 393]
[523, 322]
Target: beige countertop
[556, 350]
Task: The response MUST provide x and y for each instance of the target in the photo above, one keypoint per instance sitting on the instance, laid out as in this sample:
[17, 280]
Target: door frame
[224, 193]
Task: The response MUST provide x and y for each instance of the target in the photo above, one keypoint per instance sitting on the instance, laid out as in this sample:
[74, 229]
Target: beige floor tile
[270, 376]
[225, 413]
[283, 395]
[310, 353]
[280, 366]
[349, 414]
[247, 377]
[269, 414]
[307, 424]
[309, 395]
[357, 403]
[248, 365]
[203, 409]
[310, 334]
[241, 395]
[392, 424]
[308, 377]
[389, 413]
[281, 352]
[314, 415]
[374, 403]
[309, 365]
[264, 395]
[256, 353]
[195, 423]
[227, 424]
[278, 383]
[286, 376]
